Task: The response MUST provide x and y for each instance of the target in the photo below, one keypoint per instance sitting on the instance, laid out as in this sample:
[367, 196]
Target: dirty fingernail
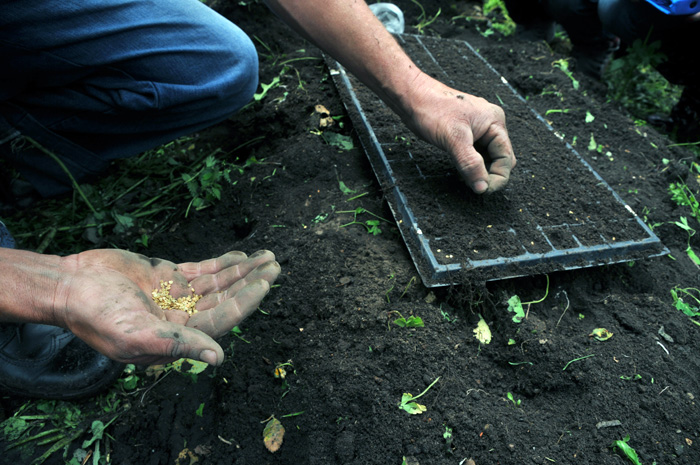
[209, 356]
[480, 186]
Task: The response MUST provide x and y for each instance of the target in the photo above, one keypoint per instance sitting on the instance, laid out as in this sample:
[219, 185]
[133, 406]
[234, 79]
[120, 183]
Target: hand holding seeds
[140, 310]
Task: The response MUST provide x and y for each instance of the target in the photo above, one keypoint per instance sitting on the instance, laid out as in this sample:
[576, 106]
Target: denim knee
[222, 79]
[237, 80]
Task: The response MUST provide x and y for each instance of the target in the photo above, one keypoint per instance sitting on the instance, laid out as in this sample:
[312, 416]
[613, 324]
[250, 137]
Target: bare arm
[104, 298]
[449, 119]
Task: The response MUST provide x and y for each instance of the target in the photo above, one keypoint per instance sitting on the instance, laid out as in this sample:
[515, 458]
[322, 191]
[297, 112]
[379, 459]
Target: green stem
[428, 388]
[546, 293]
[63, 167]
[576, 360]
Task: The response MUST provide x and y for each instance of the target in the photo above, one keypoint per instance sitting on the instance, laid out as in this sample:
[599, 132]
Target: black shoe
[536, 30]
[593, 58]
[685, 115]
[51, 363]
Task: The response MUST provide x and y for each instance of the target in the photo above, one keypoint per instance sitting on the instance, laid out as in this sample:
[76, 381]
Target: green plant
[341, 141]
[683, 224]
[692, 307]
[145, 196]
[236, 331]
[515, 306]
[130, 379]
[634, 82]
[200, 410]
[405, 289]
[683, 196]
[645, 216]
[56, 424]
[372, 226]
[423, 20]
[447, 436]
[513, 400]
[563, 65]
[551, 111]
[503, 23]
[623, 447]
[97, 430]
[410, 322]
[409, 404]
[446, 316]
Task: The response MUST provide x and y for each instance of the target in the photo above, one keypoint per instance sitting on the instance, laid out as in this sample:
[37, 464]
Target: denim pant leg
[678, 36]
[97, 81]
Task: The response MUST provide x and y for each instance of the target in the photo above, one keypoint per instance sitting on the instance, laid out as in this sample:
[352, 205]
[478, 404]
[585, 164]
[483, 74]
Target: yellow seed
[166, 301]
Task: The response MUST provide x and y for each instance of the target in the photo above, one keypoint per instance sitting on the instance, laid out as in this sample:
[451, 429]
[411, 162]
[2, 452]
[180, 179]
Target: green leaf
[97, 429]
[627, 450]
[693, 256]
[515, 306]
[414, 322]
[410, 406]
[589, 117]
[373, 227]
[592, 145]
[345, 189]
[338, 140]
[13, 428]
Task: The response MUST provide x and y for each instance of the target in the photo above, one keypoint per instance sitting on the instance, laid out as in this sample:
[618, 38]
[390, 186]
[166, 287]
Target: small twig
[153, 385]
[664, 348]
[567, 307]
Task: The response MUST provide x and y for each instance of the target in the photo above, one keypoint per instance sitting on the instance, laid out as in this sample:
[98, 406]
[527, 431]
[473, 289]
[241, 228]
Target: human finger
[222, 277]
[502, 162]
[267, 271]
[165, 342]
[232, 311]
[470, 165]
[191, 270]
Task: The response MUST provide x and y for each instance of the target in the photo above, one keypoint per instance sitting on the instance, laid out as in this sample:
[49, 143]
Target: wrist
[30, 281]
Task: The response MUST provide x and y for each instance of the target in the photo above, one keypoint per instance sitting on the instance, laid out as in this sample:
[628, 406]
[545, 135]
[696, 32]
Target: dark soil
[341, 289]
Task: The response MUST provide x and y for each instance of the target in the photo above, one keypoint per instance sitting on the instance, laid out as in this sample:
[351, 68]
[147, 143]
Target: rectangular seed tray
[535, 225]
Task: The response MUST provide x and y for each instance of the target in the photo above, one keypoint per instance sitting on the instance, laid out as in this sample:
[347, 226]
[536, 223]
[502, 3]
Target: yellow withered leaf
[273, 434]
[482, 331]
[601, 334]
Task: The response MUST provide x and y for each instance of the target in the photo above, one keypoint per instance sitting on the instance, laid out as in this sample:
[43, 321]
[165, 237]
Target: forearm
[350, 33]
[29, 282]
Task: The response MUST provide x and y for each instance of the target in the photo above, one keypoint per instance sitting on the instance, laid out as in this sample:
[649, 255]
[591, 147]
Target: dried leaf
[482, 331]
[323, 111]
[601, 334]
[273, 434]
[195, 366]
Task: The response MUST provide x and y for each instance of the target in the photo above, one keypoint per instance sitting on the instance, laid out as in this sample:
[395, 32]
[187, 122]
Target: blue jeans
[94, 81]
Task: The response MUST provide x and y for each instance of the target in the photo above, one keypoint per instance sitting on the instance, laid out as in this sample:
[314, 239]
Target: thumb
[470, 165]
[177, 341]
